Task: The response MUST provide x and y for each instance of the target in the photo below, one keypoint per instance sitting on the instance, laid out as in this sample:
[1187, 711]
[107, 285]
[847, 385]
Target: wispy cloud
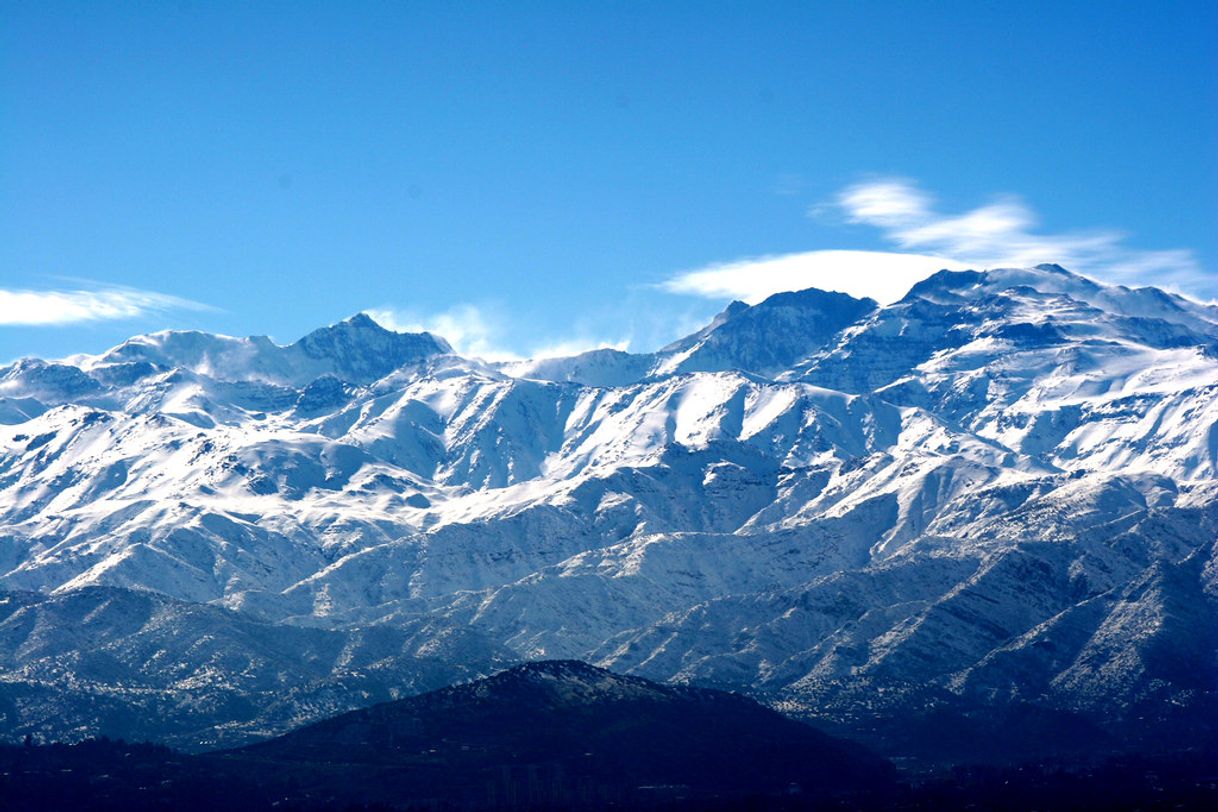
[470, 330]
[882, 275]
[1005, 232]
[574, 346]
[475, 332]
[60, 307]
[1002, 233]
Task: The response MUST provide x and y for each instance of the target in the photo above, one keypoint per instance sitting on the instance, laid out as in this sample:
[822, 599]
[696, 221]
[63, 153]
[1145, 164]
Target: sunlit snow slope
[1003, 487]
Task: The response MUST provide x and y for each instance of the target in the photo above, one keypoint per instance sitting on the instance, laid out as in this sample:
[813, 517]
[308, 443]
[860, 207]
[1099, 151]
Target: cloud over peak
[1005, 232]
[475, 332]
[881, 275]
[1001, 233]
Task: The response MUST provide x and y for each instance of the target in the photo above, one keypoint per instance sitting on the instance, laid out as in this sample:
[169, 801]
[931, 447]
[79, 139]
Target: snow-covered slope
[1002, 487]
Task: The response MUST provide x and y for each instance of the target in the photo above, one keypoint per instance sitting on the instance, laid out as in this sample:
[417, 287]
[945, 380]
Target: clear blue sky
[530, 172]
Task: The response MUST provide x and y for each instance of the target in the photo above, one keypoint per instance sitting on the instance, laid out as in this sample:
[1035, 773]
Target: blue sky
[536, 177]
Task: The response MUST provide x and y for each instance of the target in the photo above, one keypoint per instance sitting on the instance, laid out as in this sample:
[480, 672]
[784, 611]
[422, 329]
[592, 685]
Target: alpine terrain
[991, 504]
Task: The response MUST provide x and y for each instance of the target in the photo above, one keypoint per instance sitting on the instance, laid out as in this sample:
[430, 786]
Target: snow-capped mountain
[1002, 488]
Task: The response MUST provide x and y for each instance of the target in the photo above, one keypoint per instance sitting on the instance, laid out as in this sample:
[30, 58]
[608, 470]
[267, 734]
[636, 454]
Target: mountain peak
[769, 336]
[360, 325]
[362, 351]
[828, 301]
[734, 308]
[1050, 280]
[357, 350]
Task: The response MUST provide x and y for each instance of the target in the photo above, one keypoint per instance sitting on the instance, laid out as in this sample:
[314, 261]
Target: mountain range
[994, 498]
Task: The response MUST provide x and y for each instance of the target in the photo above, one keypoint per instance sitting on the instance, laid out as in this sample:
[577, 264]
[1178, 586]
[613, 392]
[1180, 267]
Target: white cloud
[58, 307]
[886, 203]
[1004, 233]
[567, 347]
[884, 276]
[474, 332]
[468, 328]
